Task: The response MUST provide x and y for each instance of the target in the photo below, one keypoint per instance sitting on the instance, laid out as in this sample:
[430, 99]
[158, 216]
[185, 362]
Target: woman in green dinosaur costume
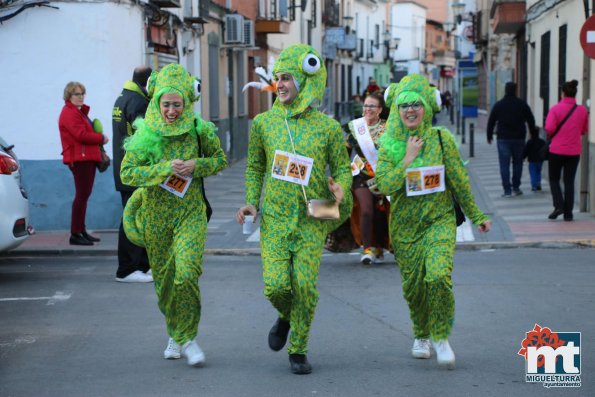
[292, 242]
[421, 169]
[172, 150]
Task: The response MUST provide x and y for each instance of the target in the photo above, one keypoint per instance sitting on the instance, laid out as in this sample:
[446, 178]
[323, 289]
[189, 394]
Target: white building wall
[550, 21]
[366, 17]
[42, 49]
[409, 24]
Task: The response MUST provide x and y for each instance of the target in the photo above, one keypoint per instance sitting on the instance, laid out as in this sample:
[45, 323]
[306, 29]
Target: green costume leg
[177, 253]
[276, 265]
[426, 268]
[306, 263]
[290, 273]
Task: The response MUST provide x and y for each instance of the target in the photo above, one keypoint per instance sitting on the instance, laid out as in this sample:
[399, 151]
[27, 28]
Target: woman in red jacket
[80, 151]
[571, 121]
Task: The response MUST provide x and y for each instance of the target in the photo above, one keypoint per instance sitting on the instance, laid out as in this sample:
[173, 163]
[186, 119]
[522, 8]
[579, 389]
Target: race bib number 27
[424, 180]
[177, 184]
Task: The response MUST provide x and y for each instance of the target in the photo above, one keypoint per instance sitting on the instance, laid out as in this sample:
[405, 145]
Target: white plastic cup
[248, 222]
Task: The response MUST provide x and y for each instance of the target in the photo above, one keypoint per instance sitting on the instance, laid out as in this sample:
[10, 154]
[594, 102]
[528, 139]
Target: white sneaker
[136, 277]
[367, 256]
[378, 255]
[421, 348]
[172, 351]
[149, 272]
[193, 353]
[444, 353]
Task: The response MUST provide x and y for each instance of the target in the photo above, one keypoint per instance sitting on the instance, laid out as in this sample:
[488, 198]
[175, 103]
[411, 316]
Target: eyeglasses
[79, 94]
[371, 106]
[406, 106]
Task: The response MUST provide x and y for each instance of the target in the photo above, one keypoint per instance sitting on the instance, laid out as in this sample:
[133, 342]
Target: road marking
[58, 296]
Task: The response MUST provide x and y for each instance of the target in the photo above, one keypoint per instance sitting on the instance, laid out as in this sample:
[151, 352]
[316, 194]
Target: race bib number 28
[292, 167]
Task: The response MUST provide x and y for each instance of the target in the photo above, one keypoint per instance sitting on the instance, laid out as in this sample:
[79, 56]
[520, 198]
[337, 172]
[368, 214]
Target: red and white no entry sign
[587, 37]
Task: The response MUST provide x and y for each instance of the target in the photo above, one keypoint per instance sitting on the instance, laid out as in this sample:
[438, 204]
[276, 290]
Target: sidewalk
[518, 221]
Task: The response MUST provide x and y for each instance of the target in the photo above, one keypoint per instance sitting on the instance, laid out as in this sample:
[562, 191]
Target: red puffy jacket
[79, 141]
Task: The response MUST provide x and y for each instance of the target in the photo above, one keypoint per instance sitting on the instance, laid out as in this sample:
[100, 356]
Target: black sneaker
[79, 239]
[517, 192]
[299, 364]
[278, 334]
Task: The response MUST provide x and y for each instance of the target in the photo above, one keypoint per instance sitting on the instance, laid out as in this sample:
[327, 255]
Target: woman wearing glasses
[369, 218]
[421, 169]
[81, 152]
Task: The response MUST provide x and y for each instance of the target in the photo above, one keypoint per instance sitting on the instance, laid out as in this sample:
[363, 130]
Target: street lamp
[390, 44]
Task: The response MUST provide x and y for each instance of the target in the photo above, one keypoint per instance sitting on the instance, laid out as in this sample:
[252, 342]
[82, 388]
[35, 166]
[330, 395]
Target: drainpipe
[587, 193]
[230, 96]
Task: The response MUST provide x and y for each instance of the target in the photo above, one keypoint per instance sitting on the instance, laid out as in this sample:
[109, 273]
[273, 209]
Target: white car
[14, 205]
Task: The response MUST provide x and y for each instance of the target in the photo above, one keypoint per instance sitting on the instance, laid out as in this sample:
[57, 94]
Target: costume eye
[438, 98]
[311, 64]
[197, 87]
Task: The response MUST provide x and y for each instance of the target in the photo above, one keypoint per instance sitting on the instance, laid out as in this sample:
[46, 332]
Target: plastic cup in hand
[248, 222]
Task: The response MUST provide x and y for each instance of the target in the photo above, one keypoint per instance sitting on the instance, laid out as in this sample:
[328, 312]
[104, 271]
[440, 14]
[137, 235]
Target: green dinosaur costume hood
[147, 141]
[172, 78]
[306, 66]
[411, 88]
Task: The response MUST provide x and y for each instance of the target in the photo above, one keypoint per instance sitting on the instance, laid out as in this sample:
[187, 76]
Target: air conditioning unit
[234, 29]
[249, 33]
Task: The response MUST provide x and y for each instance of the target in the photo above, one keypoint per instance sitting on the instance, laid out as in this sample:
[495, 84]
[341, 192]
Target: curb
[476, 246]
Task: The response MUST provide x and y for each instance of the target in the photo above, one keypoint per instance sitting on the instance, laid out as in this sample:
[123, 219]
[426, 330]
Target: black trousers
[131, 257]
[565, 167]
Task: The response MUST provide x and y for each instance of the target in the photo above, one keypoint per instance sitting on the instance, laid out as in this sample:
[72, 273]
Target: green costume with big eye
[423, 228]
[173, 229]
[291, 242]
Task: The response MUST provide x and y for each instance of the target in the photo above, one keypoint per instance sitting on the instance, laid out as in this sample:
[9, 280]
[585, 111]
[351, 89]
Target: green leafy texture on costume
[423, 228]
[289, 238]
[173, 229]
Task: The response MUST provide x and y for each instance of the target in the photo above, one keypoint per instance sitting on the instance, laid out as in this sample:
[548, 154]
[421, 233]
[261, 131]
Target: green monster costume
[173, 229]
[291, 242]
[423, 228]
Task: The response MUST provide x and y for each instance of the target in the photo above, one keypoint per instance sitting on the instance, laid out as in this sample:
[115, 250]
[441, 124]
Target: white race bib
[292, 167]
[177, 184]
[424, 180]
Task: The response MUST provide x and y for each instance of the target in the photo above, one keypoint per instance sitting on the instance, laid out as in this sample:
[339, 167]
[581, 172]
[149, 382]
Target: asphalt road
[68, 329]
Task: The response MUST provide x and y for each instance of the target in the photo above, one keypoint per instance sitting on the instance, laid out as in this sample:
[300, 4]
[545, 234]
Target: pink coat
[568, 140]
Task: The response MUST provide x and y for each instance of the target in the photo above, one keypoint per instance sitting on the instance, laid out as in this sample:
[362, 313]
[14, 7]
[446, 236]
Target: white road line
[58, 296]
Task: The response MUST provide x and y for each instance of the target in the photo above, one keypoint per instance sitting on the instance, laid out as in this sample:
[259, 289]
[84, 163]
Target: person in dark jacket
[133, 262]
[509, 116]
[532, 154]
[81, 152]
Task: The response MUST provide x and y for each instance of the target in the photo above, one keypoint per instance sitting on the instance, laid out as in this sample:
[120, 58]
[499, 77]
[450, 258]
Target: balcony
[508, 16]
[166, 3]
[444, 58]
[271, 26]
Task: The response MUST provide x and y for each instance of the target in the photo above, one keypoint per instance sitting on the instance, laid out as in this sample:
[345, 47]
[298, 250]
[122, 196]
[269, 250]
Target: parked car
[14, 204]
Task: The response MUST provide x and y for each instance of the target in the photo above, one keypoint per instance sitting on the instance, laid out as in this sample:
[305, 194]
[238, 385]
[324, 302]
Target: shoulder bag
[544, 152]
[460, 216]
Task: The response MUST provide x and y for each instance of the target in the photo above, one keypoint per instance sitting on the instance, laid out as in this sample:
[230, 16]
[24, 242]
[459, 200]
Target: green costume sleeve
[339, 160]
[457, 179]
[134, 173]
[255, 166]
[214, 159]
[390, 177]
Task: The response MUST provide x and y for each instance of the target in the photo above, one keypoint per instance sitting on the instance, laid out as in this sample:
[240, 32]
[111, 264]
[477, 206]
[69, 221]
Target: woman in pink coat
[565, 147]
